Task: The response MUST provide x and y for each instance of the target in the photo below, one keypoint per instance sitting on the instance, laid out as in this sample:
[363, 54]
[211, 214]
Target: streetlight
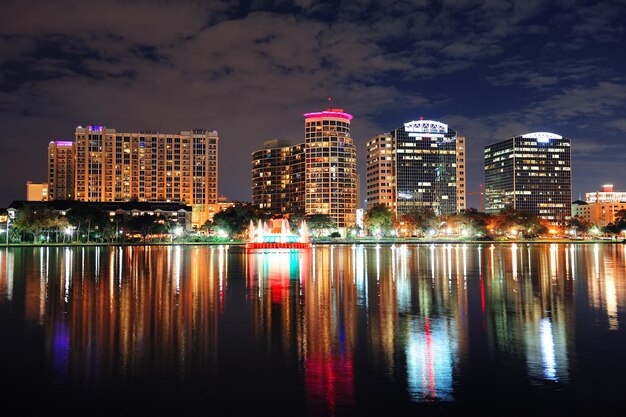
[7, 230]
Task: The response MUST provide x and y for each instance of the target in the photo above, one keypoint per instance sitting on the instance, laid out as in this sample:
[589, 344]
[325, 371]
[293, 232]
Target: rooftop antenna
[330, 104]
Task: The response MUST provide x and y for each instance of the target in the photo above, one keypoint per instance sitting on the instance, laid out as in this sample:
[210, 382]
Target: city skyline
[491, 70]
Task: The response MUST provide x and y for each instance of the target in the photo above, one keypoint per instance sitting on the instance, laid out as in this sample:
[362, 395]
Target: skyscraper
[61, 167]
[147, 166]
[278, 177]
[420, 165]
[330, 166]
[531, 172]
[380, 179]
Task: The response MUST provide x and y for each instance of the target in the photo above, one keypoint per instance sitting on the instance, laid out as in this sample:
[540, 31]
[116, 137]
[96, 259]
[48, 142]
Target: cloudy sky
[491, 69]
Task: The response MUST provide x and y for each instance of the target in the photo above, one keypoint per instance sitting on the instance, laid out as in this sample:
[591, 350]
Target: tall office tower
[278, 177]
[61, 165]
[380, 179]
[148, 166]
[420, 165]
[531, 172]
[330, 166]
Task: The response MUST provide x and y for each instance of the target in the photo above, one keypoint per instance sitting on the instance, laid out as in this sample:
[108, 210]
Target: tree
[89, 219]
[319, 224]
[235, 219]
[143, 225]
[473, 222]
[518, 221]
[379, 220]
[579, 225]
[420, 221]
[618, 225]
[34, 219]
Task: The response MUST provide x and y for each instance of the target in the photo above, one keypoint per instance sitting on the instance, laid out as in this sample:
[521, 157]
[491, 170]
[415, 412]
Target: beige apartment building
[61, 165]
[36, 191]
[141, 166]
[330, 167]
[600, 207]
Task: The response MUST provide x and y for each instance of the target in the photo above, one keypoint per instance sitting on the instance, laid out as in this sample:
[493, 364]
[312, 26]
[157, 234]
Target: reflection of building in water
[275, 285]
[330, 313]
[606, 282]
[529, 307]
[437, 331]
[108, 312]
[430, 354]
[308, 300]
[6, 277]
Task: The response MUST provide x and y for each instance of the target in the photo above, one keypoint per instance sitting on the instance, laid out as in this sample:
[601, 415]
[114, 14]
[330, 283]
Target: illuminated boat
[277, 235]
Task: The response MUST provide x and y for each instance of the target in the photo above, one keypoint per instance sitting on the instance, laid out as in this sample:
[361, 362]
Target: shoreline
[366, 242]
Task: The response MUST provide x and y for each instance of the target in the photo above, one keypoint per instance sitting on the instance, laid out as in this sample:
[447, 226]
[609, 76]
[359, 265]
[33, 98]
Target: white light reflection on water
[547, 350]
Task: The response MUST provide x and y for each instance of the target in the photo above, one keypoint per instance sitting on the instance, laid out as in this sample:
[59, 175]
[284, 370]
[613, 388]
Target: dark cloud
[491, 69]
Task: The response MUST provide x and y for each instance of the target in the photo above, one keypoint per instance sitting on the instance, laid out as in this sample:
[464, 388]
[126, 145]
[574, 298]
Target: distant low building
[223, 203]
[606, 195]
[36, 191]
[175, 212]
[599, 214]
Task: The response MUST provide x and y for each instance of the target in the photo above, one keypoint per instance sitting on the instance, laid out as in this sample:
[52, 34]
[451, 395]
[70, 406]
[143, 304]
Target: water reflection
[420, 320]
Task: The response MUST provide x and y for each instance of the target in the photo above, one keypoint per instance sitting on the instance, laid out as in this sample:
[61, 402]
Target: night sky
[490, 69]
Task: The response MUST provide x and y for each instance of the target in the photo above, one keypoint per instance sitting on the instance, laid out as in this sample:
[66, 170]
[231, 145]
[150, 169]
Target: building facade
[145, 166]
[599, 214]
[330, 166]
[36, 191]
[531, 172]
[601, 207]
[380, 180]
[606, 195]
[278, 177]
[61, 165]
[420, 165]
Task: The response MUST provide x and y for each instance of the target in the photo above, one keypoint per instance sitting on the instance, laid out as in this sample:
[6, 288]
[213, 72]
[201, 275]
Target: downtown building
[418, 166]
[318, 176]
[103, 165]
[330, 167]
[531, 172]
[600, 207]
[278, 171]
[61, 166]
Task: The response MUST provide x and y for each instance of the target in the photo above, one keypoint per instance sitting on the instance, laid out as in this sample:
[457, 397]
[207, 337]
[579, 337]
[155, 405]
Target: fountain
[277, 235]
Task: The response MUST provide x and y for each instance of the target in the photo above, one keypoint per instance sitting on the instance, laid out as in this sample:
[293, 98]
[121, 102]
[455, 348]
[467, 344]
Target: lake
[339, 330]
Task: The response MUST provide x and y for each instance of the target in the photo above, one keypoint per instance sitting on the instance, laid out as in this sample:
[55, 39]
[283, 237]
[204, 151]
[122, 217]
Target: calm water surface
[339, 330]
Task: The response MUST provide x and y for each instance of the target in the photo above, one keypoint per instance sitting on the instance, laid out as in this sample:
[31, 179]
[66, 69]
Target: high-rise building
[531, 172]
[380, 179]
[278, 177]
[330, 166]
[36, 191]
[420, 165]
[600, 213]
[61, 165]
[148, 166]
